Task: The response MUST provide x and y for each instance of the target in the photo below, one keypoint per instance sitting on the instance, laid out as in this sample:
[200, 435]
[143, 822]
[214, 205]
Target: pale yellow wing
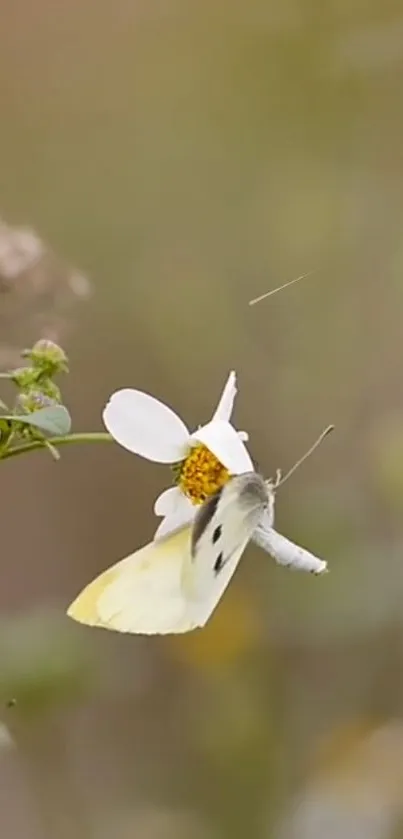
[142, 593]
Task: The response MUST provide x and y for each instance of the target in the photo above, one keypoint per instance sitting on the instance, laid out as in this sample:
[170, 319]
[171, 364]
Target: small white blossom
[145, 426]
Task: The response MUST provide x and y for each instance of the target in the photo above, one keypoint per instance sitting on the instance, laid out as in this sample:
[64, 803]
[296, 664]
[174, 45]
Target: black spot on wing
[203, 519]
[219, 563]
[217, 534]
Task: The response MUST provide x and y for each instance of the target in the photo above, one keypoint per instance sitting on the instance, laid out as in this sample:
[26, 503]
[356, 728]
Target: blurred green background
[186, 157]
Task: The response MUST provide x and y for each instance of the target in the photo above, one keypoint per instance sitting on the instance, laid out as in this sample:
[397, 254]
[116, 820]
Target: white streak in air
[280, 288]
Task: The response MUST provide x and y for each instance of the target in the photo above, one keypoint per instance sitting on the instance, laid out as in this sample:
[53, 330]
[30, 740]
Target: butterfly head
[246, 498]
[251, 490]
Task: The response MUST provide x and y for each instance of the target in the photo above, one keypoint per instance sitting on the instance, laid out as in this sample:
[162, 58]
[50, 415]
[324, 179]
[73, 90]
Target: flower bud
[34, 400]
[48, 356]
[48, 388]
[25, 377]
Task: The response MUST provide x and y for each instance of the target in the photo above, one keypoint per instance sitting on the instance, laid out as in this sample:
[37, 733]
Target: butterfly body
[220, 534]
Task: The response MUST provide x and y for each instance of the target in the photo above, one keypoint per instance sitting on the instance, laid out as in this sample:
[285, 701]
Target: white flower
[204, 459]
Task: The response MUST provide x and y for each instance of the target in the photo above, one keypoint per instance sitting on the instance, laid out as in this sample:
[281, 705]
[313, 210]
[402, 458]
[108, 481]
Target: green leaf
[54, 420]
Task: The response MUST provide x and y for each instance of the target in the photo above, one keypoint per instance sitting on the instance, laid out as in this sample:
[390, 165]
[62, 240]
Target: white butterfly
[174, 584]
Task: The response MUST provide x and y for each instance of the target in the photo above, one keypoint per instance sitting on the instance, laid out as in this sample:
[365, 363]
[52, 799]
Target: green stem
[84, 437]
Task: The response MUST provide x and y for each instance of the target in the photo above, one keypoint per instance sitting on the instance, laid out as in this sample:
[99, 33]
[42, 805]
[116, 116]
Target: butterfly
[173, 585]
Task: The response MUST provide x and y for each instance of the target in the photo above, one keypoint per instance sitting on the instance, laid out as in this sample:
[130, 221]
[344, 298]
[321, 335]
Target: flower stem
[83, 437]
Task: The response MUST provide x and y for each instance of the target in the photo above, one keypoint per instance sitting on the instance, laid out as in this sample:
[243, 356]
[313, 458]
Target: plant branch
[83, 437]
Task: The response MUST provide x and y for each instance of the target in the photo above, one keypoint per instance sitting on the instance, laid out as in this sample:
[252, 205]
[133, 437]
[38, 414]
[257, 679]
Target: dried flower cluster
[37, 291]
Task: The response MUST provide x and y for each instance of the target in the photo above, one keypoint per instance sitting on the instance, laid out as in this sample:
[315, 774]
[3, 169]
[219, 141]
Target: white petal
[183, 515]
[223, 441]
[244, 436]
[145, 426]
[167, 502]
[287, 553]
[226, 403]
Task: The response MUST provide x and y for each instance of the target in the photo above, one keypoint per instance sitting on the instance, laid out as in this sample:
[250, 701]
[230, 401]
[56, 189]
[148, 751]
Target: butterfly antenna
[280, 288]
[280, 480]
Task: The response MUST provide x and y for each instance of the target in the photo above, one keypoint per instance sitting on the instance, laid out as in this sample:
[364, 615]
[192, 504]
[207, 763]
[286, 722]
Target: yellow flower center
[201, 474]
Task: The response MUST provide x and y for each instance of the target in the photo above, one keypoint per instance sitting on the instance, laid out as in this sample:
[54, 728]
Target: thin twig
[83, 437]
[52, 450]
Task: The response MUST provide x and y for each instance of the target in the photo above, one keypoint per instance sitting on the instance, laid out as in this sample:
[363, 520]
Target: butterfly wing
[142, 593]
[174, 584]
[220, 533]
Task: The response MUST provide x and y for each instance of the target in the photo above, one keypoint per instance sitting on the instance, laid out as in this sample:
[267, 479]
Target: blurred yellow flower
[231, 633]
